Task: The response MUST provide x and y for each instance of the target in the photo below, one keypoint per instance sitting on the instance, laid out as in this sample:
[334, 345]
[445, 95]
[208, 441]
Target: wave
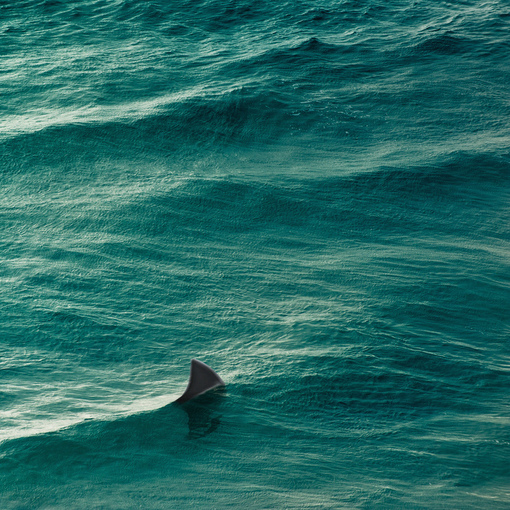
[312, 198]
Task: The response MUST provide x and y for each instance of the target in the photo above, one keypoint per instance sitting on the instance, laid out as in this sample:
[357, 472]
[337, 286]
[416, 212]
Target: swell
[450, 196]
[444, 227]
[265, 92]
[244, 115]
[387, 201]
[234, 204]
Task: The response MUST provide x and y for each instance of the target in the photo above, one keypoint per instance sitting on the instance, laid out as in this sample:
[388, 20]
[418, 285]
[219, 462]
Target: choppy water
[311, 197]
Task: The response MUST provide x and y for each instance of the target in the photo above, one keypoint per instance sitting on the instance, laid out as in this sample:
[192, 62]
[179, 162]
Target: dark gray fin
[201, 379]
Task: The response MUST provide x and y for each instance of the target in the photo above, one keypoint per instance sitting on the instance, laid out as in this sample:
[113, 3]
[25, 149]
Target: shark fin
[202, 378]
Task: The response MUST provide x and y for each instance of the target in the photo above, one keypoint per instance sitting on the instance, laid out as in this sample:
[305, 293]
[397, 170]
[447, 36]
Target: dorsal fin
[201, 379]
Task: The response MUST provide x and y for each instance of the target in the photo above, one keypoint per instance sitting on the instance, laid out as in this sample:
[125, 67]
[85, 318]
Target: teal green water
[311, 197]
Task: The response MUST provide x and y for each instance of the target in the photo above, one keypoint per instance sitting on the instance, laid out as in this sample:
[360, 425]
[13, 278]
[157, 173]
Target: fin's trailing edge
[202, 378]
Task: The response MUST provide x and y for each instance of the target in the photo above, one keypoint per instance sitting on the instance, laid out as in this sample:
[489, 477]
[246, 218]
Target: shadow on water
[203, 413]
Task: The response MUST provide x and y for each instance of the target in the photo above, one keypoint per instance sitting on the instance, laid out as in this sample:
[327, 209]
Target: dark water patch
[452, 178]
[300, 59]
[317, 16]
[395, 384]
[445, 44]
[316, 47]
[6, 399]
[454, 174]
[233, 15]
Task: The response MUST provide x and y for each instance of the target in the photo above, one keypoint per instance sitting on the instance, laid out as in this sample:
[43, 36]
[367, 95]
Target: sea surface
[312, 197]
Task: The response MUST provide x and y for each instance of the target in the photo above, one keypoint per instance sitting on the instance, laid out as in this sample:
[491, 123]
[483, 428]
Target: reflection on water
[203, 412]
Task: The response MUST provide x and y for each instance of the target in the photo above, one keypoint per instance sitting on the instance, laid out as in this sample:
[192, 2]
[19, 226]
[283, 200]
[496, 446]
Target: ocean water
[311, 197]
